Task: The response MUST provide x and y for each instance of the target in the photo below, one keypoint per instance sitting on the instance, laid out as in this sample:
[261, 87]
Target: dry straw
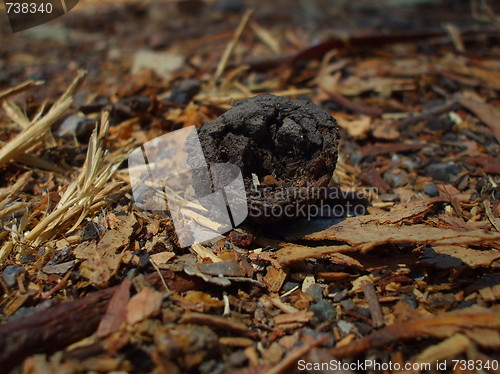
[92, 190]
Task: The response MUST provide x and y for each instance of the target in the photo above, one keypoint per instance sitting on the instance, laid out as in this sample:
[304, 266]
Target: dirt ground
[408, 283]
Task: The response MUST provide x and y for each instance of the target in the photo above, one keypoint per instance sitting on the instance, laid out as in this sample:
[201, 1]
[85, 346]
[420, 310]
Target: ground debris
[389, 124]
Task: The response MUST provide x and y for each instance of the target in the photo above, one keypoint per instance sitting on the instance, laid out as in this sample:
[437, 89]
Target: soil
[287, 144]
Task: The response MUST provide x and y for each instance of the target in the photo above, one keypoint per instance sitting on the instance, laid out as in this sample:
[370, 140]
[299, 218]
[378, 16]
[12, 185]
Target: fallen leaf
[293, 252]
[116, 313]
[162, 257]
[485, 112]
[490, 164]
[367, 236]
[375, 149]
[101, 261]
[143, 305]
[357, 128]
[454, 255]
[198, 301]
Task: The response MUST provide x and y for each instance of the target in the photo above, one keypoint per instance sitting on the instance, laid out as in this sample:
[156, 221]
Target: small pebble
[345, 327]
[449, 137]
[356, 158]
[323, 311]
[76, 125]
[411, 165]
[233, 6]
[341, 295]
[183, 91]
[396, 178]
[316, 291]
[410, 300]
[431, 190]
[348, 304]
[27, 258]
[10, 274]
[443, 171]
[289, 285]
[90, 231]
[445, 124]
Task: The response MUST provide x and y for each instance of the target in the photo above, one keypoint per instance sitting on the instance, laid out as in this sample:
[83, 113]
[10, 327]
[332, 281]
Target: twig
[159, 274]
[373, 303]
[230, 46]
[426, 114]
[32, 134]
[204, 252]
[19, 88]
[57, 287]
[494, 221]
[355, 107]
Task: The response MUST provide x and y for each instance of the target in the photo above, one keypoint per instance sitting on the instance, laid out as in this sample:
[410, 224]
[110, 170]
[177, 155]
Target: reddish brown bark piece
[373, 303]
[486, 113]
[116, 313]
[367, 236]
[52, 329]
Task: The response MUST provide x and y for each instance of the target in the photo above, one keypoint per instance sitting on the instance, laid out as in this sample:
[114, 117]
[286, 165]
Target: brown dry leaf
[399, 214]
[385, 130]
[344, 260]
[293, 252]
[98, 266]
[485, 112]
[101, 261]
[188, 116]
[450, 347]
[198, 301]
[358, 128]
[485, 337]
[490, 164]
[116, 313]
[356, 85]
[162, 257]
[471, 257]
[368, 236]
[489, 78]
[143, 305]
[448, 221]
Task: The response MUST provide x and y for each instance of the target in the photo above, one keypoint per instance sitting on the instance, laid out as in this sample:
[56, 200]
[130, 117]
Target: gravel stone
[443, 171]
[431, 190]
[323, 311]
[10, 274]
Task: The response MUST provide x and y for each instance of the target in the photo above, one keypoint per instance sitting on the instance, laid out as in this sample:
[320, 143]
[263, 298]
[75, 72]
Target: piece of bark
[52, 329]
[57, 327]
[373, 303]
